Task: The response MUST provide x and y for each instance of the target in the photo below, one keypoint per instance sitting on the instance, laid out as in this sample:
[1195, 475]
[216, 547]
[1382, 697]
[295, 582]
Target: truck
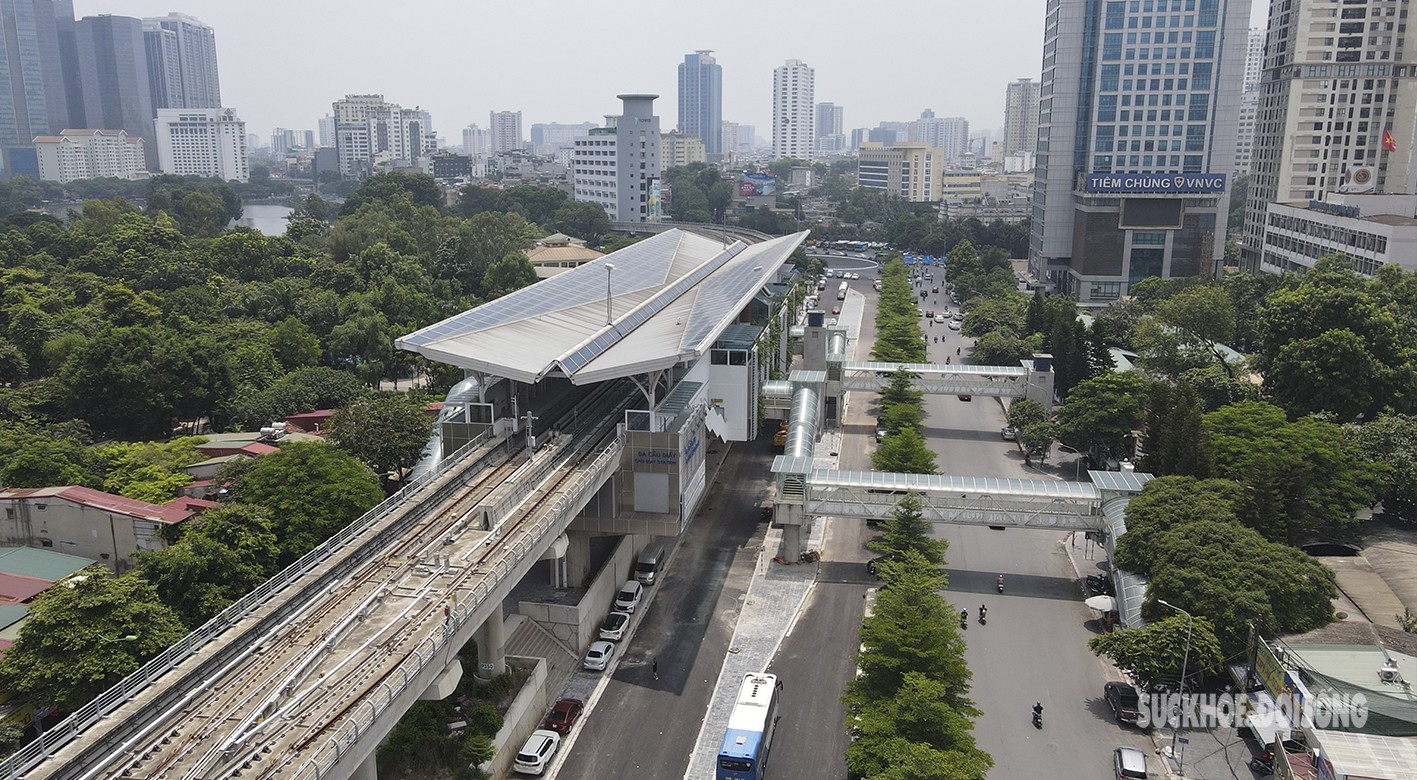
[841, 292]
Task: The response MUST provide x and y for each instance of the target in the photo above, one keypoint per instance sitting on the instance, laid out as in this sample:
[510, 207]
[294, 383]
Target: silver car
[598, 656]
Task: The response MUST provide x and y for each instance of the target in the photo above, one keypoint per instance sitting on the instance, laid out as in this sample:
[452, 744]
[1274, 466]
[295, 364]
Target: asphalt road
[642, 727]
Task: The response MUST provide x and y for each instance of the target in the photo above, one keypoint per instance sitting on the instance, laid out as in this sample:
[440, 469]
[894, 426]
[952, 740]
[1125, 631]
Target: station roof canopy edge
[669, 297]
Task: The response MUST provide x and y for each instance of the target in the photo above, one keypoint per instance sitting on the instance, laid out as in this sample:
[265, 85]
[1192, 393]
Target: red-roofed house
[90, 523]
[310, 422]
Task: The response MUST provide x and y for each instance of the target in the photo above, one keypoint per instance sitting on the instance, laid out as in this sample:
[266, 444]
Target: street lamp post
[1185, 660]
[609, 268]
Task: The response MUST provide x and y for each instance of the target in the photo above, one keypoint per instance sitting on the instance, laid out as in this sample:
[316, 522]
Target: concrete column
[791, 542]
[491, 646]
[577, 558]
[369, 770]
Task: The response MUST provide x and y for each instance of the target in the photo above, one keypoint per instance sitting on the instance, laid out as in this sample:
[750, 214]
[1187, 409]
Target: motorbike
[982, 612]
[964, 618]
[1000, 583]
[1099, 585]
[1037, 716]
[1264, 764]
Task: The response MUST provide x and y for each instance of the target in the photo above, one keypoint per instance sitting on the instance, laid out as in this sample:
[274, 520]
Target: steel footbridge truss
[1024, 503]
[935, 379]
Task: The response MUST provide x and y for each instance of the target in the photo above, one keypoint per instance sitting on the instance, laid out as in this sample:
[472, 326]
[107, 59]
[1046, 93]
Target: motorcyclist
[983, 610]
[964, 616]
[1000, 582]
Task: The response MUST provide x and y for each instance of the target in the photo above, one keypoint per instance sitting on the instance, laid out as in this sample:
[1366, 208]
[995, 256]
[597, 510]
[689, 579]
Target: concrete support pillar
[369, 770]
[577, 560]
[491, 646]
[791, 542]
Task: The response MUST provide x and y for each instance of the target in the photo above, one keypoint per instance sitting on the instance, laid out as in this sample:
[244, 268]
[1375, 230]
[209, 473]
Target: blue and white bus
[744, 752]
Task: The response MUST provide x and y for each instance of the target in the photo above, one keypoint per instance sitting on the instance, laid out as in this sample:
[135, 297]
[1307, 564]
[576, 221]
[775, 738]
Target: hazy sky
[284, 61]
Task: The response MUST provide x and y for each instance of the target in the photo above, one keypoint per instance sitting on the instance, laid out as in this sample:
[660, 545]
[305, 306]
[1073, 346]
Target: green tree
[66, 653]
[1025, 411]
[199, 576]
[1156, 652]
[904, 452]
[584, 220]
[911, 629]
[1391, 439]
[900, 402]
[311, 489]
[915, 735]
[997, 349]
[1307, 463]
[135, 382]
[385, 431]
[203, 214]
[508, 274]
[1101, 413]
[294, 344]
[907, 529]
[1204, 316]
[384, 187]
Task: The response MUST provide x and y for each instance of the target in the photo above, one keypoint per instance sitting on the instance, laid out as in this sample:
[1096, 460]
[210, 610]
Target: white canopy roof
[670, 296]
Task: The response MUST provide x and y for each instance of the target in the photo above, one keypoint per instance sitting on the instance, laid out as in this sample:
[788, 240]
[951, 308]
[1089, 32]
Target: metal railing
[85, 717]
[367, 712]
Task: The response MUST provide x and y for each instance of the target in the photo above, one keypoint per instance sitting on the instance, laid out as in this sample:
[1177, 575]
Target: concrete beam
[446, 684]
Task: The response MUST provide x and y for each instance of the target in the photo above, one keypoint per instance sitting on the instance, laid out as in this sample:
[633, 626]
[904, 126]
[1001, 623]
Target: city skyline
[261, 43]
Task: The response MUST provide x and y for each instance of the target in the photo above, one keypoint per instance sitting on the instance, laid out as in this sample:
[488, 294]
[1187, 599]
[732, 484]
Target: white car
[628, 599]
[941, 319]
[612, 628]
[536, 752]
[954, 325]
[598, 656]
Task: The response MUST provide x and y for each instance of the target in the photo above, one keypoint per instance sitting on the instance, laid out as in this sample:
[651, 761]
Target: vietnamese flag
[1389, 145]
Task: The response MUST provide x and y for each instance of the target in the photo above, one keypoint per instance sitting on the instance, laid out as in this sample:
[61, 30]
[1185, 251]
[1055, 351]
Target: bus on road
[744, 752]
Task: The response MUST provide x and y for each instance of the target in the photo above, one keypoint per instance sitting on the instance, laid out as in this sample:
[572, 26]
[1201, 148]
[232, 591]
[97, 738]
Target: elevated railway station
[590, 402]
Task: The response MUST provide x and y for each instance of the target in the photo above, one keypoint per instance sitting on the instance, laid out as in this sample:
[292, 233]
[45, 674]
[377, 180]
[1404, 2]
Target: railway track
[264, 710]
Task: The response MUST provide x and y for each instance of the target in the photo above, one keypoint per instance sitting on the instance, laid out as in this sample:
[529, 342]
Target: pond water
[269, 218]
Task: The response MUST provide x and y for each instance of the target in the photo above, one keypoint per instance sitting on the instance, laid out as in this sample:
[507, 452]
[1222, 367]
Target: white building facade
[504, 129]
[203, 142]
[793, 111]
[949, 134]
[90, 154]
[619, 166]
[1020, 117]
[1370, 230]
[1336, 108]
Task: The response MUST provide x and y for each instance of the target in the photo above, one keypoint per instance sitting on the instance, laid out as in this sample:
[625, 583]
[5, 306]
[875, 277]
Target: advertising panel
[1164, 183]
[757, 184]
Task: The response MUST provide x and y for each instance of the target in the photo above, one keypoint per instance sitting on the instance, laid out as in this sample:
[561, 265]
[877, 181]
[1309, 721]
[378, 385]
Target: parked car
[881, 433]
[536, 752]
[1123, 700]
[598, 656]
[1009, 434]
[1128, 763]
[966, 398]
[612, 628]
[563, 715]
[628, 599]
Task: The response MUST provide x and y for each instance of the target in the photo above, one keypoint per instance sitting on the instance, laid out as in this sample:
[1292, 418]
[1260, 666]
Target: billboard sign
[1164, 183]
[757, 184]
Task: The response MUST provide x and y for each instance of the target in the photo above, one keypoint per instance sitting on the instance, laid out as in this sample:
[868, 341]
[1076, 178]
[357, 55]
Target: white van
[647, 565]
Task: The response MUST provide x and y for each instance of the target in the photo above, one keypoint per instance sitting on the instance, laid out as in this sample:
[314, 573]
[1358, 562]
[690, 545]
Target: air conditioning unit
[1389, 675]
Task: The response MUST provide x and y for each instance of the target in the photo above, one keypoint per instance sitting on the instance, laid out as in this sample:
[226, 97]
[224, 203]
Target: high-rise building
[1335, 111]
[949, 134]
[1021, 117]
[701, 101]
[203, 142]
[282, 141]
[793, 104]
[910, 171]
[326, 127]
[182, 67]
[1249, 101]
[90, 154]
[474, 141]
[504, 129]
[37, 79]
[1136, 139]
[829, 137]
[618, 166]
[547, 138]
[681, 149]
[113, 73]
[371, 133]
[307, 140]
